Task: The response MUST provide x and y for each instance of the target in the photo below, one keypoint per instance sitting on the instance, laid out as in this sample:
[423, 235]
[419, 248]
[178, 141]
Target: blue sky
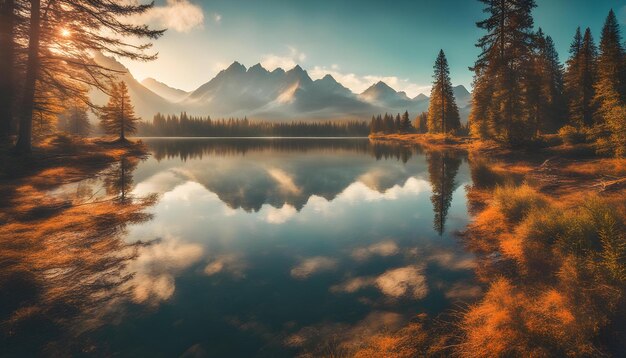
[358, 42]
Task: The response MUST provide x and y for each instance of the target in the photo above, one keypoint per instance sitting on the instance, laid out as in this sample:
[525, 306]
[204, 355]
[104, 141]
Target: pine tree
[405, 126]
[589, 56]
[372, 125]
[572, 78]
[118, 116]
[397, 124]
[546, 90]
[443, 113]
[503, 72]
[610, 93]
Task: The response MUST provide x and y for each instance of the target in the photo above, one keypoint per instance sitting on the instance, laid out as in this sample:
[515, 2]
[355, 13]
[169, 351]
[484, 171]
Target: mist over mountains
[282, 95]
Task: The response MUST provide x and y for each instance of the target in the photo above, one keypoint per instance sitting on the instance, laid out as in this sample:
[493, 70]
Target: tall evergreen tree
[398, 123]
[405, 125]
[549, 105]
[443, 113]
[589, 58]
[503, 71]
[610, 91]
[573, 79]
[118, 116]
[580, 79]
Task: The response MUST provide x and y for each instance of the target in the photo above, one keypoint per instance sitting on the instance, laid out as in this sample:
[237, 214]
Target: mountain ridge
[280, 94]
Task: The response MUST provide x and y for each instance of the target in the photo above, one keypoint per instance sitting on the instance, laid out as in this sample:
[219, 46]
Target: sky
[358, 42]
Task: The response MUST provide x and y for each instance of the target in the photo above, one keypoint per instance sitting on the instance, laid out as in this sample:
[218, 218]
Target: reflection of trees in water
[118, 179]
[197, 148]
[251, 188]
[60, 273]
[442, 168]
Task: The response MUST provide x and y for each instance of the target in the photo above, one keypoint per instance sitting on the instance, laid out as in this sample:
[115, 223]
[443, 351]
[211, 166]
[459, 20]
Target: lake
[273, 247]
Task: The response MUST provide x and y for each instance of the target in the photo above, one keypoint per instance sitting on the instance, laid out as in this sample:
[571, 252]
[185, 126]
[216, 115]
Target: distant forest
[191, 126]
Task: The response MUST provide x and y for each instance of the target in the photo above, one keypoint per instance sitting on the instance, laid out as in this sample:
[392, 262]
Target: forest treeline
[184, 125]
[522, 90]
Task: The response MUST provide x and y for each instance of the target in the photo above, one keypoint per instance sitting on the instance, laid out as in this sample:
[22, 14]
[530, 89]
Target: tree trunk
[24, 143]
[7, 60]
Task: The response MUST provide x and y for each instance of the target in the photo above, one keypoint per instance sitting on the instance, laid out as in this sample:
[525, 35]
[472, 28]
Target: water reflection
[442, 168]
[118, 179]
[258, 175]
[61, 274]
[256, 247]
[197, 148]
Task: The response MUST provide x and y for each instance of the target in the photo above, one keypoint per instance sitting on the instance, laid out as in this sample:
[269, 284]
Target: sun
[65, 33]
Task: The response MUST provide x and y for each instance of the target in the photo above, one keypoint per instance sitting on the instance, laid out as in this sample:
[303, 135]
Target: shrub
[571, 135]
[516, 202]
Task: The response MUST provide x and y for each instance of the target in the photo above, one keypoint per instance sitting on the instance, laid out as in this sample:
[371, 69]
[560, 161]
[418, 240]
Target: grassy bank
[548, 233]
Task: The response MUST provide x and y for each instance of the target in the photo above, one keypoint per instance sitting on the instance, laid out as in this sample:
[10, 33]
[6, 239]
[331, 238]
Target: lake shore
[556, 169]
[58, 160]
[547, 225]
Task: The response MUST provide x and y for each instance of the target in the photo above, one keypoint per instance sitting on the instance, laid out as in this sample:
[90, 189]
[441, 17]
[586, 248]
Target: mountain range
[257, 93]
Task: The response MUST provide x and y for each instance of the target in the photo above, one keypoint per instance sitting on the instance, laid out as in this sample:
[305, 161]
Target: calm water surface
[272, 247]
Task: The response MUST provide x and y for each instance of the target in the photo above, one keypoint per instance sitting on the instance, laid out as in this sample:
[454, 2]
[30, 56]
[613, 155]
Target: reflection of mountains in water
[196, 148]
[250, 182]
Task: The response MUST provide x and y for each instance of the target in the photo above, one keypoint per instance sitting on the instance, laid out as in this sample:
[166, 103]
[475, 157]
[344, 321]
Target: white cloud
[156, 266]
[177, 15]
[359, 192]
[274, 215]
[396, 283]
[451, 261]
[383, 248]
[403, 281]
[358, 84]
[313, 265]
[286, 62]
[217, 18]
[233, 264]
[284, 180]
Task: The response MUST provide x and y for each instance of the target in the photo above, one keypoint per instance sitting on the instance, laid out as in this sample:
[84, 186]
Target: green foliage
[610, 230]
[405, 125]
[192, 126]
[517, 202]
[443, 113]
[546, 95]
[610, 90]
[580, 78]
[504, 73]
[387, 124]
